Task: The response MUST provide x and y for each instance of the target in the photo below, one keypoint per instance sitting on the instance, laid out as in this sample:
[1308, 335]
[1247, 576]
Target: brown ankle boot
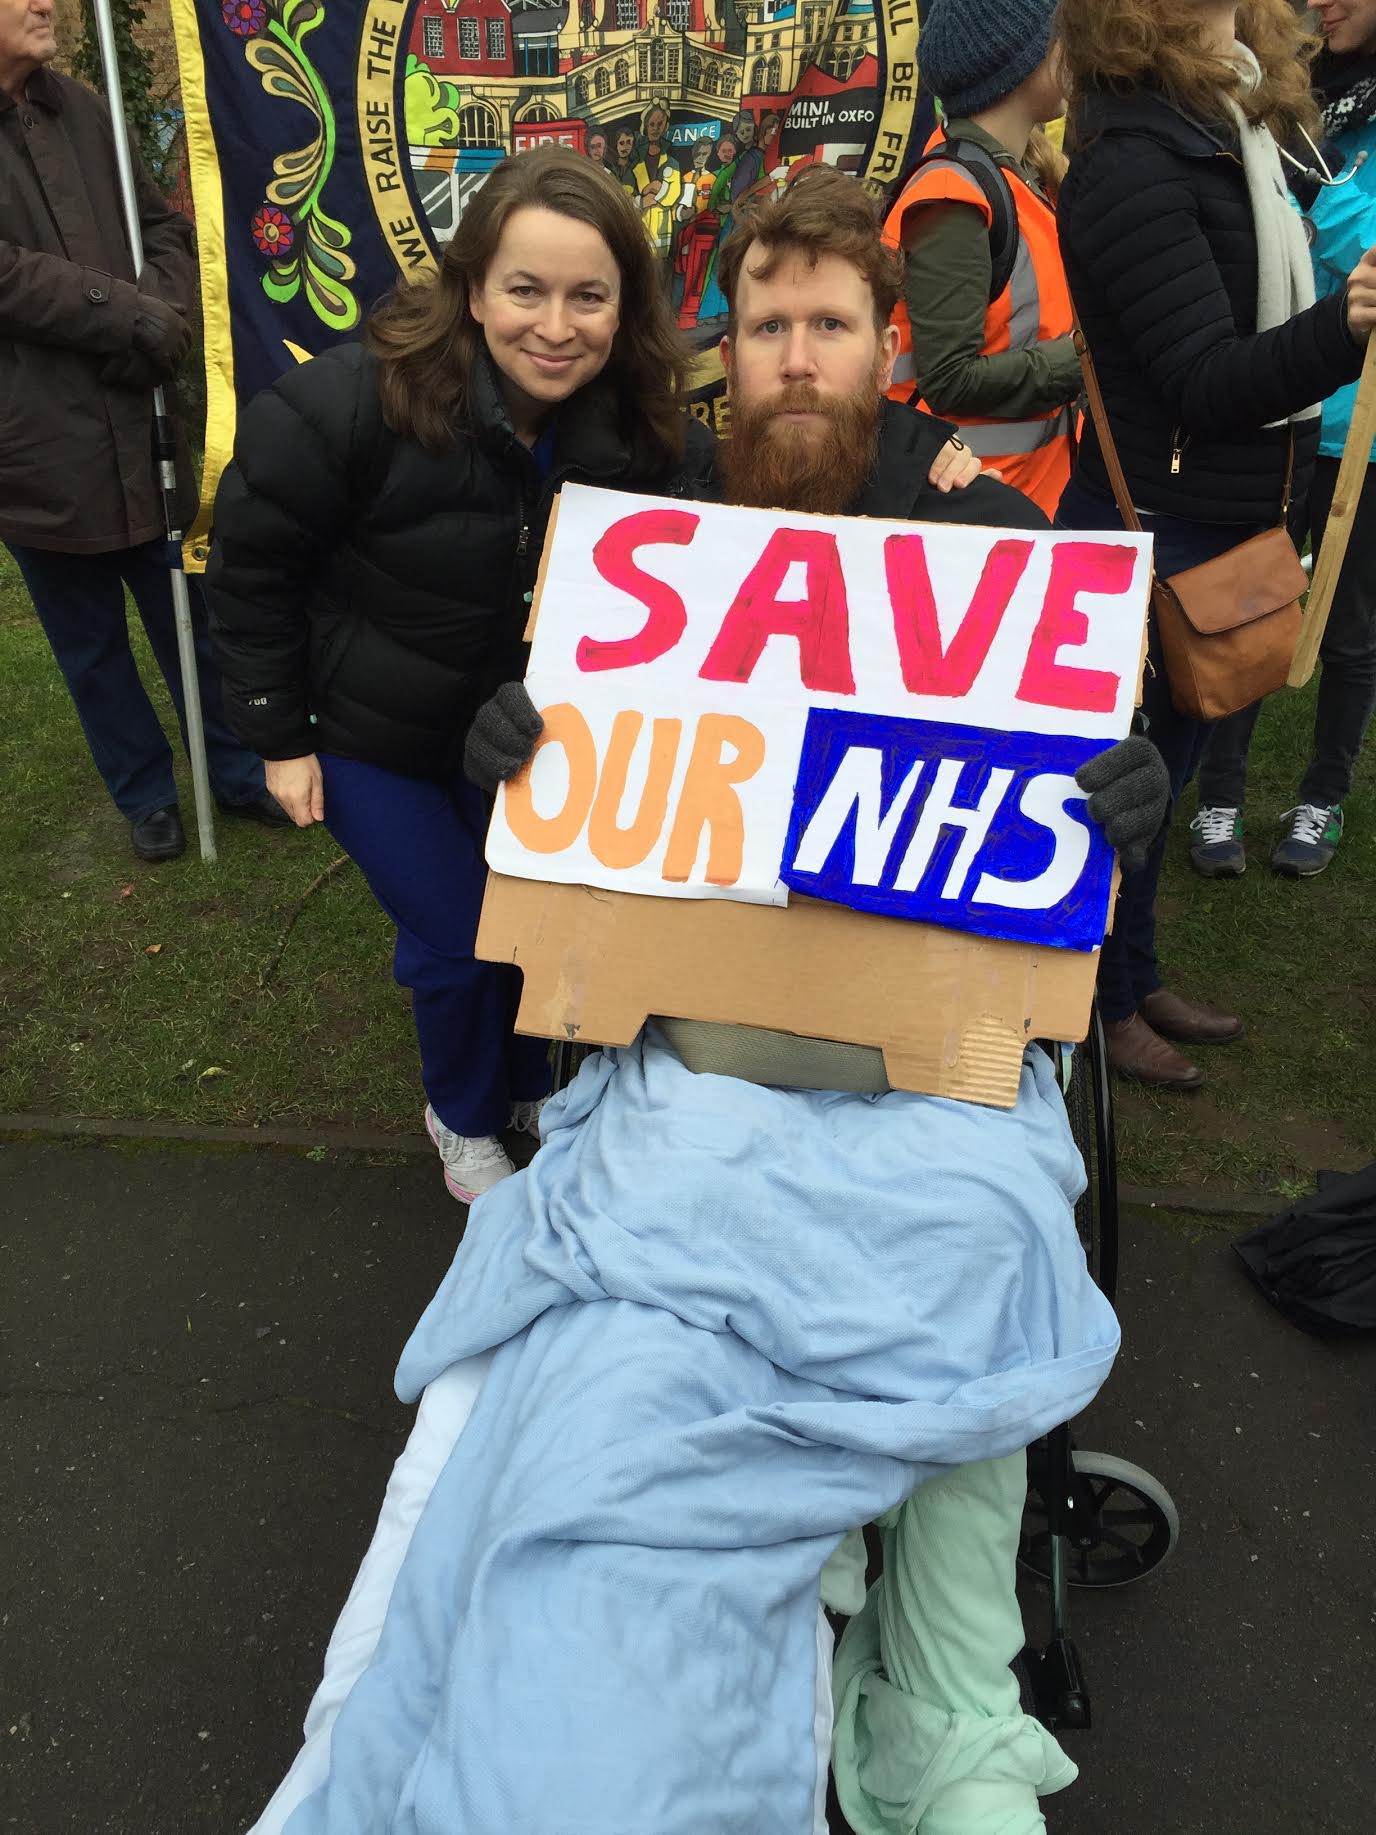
[1188, 1022]
[1135, 1051]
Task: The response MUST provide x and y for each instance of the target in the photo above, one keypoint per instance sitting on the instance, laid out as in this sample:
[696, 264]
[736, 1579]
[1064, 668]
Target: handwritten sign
[886, 715]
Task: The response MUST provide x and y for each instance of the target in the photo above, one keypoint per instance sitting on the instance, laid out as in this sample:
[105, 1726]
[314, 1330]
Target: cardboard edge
[984, 1068]
[543, 569]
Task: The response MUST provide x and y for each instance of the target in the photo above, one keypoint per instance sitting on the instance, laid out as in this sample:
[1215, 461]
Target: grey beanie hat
[973, 53]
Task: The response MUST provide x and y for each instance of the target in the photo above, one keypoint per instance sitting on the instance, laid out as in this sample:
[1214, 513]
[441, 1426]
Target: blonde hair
[1125, 45]
[1046, 162]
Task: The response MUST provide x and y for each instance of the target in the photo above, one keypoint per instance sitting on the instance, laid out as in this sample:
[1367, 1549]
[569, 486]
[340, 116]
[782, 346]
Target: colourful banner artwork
[334, 143]
[739, 703]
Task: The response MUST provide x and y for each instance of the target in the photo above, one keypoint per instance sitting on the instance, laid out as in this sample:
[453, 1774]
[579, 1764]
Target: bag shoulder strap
[1122, 496]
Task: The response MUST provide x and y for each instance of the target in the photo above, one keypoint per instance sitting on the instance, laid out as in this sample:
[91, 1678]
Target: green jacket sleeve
[946, 278]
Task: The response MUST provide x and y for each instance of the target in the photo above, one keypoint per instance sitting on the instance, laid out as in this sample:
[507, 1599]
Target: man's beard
[774, 464]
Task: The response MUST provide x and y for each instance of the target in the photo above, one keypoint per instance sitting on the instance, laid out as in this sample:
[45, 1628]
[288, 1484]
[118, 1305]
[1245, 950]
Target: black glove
[131, 369]
[502, 737]
[1130, 792]
[161, 335]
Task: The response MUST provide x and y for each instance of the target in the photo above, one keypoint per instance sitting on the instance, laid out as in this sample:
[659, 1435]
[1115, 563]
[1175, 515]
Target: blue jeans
[79, 599]
[1128, 968]
[420, 845]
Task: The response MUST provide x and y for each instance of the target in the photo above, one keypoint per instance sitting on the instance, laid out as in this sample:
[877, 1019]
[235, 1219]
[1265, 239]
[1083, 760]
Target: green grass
[1295, 959]
[92, 1024]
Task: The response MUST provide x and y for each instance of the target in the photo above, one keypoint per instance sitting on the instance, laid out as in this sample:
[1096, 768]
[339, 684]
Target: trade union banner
[334, 143]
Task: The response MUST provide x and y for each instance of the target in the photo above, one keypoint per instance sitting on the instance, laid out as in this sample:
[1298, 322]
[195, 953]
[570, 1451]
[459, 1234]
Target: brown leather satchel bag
[1229, 627]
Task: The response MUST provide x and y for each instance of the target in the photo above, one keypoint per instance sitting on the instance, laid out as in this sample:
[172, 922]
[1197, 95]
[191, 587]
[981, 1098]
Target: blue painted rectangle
[1029, 865]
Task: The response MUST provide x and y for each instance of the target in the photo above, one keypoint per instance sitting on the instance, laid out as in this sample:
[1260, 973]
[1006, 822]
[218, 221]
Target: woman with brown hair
[1194, 288]
[376, 543]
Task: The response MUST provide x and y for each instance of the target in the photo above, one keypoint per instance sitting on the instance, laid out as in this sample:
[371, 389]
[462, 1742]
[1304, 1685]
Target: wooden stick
[269, 968]
[1328, 563]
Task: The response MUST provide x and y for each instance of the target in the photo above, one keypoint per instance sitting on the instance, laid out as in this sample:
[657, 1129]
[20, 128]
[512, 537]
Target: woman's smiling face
[549, 306]
[1347, 25]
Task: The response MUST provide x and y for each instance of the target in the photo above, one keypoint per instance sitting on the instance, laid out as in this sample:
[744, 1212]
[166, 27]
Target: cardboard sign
[884, 715]
[952, 1013]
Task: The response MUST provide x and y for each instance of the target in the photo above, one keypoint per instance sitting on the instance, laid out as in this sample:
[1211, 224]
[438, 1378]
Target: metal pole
[164, 452]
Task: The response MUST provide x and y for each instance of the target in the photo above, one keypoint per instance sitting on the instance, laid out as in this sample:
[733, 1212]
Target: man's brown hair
[822, 212]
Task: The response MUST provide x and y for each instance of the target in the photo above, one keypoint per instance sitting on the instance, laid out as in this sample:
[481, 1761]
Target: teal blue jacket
[1344, 220]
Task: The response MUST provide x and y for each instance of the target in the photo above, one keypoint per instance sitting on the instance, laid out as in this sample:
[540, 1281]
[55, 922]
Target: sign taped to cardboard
[885, 715]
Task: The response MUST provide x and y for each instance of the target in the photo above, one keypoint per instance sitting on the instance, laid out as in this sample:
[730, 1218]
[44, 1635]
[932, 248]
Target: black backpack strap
[1005, 235]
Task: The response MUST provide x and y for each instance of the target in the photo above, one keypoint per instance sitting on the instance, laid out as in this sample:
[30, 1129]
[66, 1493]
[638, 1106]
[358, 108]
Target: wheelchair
[1090, 1519]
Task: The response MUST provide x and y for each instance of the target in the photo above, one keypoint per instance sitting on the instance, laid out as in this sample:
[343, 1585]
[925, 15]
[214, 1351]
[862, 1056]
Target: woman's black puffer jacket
[366, 594]
[1157, 235]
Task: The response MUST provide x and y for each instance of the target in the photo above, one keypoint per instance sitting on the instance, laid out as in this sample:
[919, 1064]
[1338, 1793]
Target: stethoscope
[1319, 174]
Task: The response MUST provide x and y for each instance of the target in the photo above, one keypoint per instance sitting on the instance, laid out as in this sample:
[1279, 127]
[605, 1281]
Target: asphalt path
[196, 1352]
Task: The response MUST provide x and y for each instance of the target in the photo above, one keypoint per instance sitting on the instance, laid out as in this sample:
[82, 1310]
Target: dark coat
[899, 492]
[367, 594]
[1160, 250]
[76, 457]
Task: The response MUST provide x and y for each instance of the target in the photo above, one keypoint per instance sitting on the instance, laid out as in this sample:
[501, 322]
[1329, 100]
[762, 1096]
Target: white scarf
[1285, 273]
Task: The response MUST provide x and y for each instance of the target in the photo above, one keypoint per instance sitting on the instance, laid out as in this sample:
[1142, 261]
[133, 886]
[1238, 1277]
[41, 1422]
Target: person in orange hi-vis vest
[985, 322]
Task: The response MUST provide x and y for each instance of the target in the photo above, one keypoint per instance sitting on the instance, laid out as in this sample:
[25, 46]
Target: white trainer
[473, 1163]
[525, 1116]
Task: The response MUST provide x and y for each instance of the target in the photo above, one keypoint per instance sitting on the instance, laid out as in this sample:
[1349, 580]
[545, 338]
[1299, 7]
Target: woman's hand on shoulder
[954, 467]
[299, 788]
[1361, 297]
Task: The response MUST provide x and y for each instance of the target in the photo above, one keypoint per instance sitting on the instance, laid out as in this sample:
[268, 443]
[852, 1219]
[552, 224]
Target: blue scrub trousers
[420, 846]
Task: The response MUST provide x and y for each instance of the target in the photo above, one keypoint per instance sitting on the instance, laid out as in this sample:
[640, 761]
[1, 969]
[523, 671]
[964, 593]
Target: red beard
[773, 464]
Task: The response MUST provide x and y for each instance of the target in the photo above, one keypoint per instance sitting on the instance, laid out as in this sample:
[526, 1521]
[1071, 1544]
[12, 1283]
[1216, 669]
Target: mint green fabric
[930, 1737]
[843, 1577]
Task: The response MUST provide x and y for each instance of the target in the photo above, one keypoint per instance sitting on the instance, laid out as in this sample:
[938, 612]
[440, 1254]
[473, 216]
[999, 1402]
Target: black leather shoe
[159, 836]
[262, 808]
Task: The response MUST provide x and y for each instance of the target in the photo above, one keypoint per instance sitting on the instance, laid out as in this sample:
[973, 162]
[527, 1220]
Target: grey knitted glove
[1130, 792]
[502, 737]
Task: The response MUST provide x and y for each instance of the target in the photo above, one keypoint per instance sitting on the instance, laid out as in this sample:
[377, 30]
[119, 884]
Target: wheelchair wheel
[1089, 1104]
[1126, 1525]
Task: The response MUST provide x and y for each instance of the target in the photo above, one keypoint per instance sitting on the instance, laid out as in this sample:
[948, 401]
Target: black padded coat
[367, 594]
[1160, 251]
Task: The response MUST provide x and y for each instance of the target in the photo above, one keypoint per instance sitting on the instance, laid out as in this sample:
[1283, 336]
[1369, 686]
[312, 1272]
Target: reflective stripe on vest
[1025, 301]
[1035, 305]
[1009, 439]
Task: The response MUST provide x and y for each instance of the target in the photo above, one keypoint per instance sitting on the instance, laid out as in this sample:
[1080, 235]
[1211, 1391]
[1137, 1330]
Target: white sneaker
[473, 1163]
[525, 1116]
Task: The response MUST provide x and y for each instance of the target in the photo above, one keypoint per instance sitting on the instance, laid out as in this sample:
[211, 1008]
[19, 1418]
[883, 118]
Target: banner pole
[164, 451]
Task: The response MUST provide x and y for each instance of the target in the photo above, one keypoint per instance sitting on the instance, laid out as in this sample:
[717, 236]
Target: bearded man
[930, 1735]
[743, 1299]
[807, 362]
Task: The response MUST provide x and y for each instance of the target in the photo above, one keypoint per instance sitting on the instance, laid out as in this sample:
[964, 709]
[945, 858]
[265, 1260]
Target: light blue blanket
[735, 1322]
